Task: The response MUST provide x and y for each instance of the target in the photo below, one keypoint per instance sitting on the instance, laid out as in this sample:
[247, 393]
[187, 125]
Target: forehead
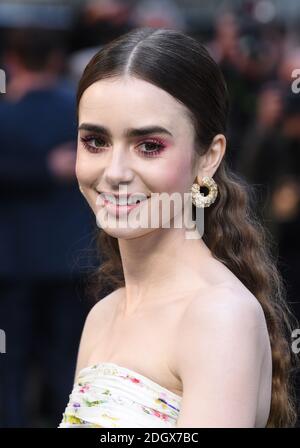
[131, 101]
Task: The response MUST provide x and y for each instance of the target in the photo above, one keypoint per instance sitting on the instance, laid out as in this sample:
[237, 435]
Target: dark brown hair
[182, 66]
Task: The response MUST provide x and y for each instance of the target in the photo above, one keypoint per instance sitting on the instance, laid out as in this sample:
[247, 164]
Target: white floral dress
[107, 395]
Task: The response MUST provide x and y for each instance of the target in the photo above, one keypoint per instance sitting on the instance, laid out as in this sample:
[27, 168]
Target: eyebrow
[130, 132]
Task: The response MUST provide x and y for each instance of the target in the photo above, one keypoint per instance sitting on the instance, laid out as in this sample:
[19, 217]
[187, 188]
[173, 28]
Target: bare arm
[219, 357]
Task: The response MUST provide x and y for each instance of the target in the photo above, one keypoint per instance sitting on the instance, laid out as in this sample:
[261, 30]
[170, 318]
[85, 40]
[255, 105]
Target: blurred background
[47, 234]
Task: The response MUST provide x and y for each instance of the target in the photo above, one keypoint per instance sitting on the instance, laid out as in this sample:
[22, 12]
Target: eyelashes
[157, 143]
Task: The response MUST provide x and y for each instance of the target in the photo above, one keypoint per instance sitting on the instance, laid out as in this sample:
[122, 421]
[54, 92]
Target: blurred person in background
[95, 23]
[44, 229]
[245, 52]
[98, 22]
[270, 150]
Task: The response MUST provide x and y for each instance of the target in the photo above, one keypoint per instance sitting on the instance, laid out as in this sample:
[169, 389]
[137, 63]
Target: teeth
[121, 201]
[110, 198]
[133, 199]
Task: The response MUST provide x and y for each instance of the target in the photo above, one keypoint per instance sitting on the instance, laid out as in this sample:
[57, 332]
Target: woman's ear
[212, 159]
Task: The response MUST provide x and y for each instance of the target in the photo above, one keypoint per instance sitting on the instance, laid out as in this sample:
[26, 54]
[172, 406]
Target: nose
[117, 170]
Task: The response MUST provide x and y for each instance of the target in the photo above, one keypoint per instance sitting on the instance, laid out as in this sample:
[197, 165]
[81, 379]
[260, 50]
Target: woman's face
[114, 157]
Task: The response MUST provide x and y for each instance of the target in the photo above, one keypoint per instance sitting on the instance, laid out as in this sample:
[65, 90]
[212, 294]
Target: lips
[114, 209]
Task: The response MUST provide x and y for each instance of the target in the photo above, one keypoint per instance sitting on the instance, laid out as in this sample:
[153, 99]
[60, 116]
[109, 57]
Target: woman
[193, 333]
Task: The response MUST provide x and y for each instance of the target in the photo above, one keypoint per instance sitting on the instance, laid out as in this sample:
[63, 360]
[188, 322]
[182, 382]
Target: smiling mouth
[125, 204]
[123, 201]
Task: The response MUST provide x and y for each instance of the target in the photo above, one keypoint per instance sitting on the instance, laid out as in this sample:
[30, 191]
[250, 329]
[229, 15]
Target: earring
[198, 199]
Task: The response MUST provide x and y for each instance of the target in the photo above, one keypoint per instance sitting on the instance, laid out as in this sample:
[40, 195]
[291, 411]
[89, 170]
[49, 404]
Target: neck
[161, 264]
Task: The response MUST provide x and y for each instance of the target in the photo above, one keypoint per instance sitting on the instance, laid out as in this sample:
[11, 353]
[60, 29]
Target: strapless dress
[106, 395]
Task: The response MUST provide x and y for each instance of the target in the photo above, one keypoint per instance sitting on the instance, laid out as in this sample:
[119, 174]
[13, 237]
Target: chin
[126, 233]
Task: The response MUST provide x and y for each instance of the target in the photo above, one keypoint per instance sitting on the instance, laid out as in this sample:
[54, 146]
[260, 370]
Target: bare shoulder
[101, 308]
[224, 303]
[224, 312]
[96, 316]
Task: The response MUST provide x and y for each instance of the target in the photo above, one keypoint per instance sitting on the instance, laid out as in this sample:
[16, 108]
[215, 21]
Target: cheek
[86, 171]
[175, 176]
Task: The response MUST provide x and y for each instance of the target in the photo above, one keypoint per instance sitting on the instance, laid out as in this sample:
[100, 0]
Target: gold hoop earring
[198, 198]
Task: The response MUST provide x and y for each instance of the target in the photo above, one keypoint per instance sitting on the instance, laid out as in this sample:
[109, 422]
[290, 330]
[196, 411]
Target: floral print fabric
[107, 395]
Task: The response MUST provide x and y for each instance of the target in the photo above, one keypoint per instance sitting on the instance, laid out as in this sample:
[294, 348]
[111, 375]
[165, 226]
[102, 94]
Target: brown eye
[86, 143]
[158, 148]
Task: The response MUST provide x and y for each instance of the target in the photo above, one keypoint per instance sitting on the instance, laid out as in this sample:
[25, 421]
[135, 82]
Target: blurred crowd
[47, 231]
